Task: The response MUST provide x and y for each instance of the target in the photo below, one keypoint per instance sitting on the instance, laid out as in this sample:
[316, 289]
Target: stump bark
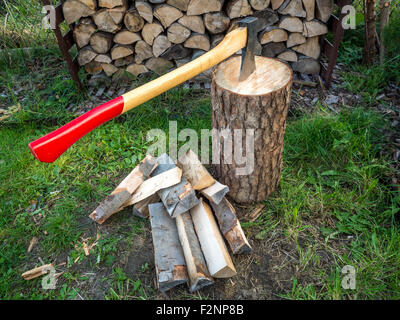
[261, 103]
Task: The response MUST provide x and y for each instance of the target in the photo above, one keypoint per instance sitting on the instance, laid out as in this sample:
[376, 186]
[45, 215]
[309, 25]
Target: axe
[53, 145]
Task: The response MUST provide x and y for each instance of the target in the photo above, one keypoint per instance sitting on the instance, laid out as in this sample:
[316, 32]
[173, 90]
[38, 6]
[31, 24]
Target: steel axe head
[248, 64]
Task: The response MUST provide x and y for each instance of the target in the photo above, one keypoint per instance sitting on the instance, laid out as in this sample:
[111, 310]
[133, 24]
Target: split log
[93, 67]
[121, 51]
[314, 28]
[127, 37]
[259, 4]
[143, 51]
[216, 39]
[265, 18]
[275, 4]
[310, 48]
[273, 34]
[177, 33]
[230, 227]
[86, 55]
[83, 31]
[158, 65]
[181, 62]
[309, 6]
[117, 14]
[323, 9]
[111, 3]
[238, 8]
[306, 65]
[217, 257]
[216, 22]
[133, 21]
[179, 4]
[169, 258]
[137, 69]
[198, 41]
[124, 190]
[179, 198]
[103, 58]
[92, 4]
[291, 24]
[74, 10]
[261, 102]
[293, 8]
[199, 276]
[194, 171]
[101, 42]
[216, 192]
[288, 55]
[198, 7]
[295, 39]
[141, 209]
[176, 52]
[37, 272]
[150, 31]
[145, 10]
[160, 45]
[124, 61]
[194, 23]
[109, 69]
[167, 14]
[272, 49]
[105, 22]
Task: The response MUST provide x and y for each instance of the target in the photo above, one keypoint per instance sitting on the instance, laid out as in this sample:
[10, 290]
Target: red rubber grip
[54, 144]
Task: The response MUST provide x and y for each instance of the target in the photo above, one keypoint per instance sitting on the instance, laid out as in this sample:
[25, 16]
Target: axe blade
[248, 64]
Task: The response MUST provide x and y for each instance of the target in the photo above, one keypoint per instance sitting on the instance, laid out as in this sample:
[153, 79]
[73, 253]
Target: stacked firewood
[190, 218]
[114, 36]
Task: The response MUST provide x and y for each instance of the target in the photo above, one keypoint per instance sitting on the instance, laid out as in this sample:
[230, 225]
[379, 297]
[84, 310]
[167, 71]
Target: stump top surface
[270, 75]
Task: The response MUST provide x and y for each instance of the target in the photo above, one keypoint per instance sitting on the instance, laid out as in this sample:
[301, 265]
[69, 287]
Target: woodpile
[190, 217]
[142, 36]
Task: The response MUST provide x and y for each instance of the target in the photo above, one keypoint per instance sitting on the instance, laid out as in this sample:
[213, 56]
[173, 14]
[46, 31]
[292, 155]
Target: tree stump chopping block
[256, 105]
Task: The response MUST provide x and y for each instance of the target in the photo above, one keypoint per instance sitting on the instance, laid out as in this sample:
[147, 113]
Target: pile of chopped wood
[114, 36]
[182, 202]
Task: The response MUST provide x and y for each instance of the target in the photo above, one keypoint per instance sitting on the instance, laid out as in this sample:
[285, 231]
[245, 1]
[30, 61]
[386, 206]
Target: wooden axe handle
[54, 144]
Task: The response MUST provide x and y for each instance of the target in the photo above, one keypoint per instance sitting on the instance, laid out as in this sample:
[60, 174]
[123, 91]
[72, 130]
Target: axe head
[248, 64]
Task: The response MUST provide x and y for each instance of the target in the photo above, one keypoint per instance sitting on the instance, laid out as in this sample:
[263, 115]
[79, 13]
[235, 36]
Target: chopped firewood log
[295, 39]
[121, 62]
[124, 190]
[32, 244]
[199, 276]
[92, 4]
[150, 31]
[133, 21]
[109, 69]
[83, 31]
[179, 4]
[238, 8]
[198, 7]
[194, 23]
[167, 14]
[137, 69]
[177, 33]
[181, 62]
[291, 24]
[178, 198]
[230, 227]
[259, 4]
[265, 18]
[216, 39]
[117, 14]
[101, 42]
[273, 34]
[194, 171]
[103, 58]
[314, 28]
[288, 55]
[272, 49]
[37, 272]
[121, 51]
[141, 209]
[145, 10]
[216, 192]
[293, 8]
[309, 6]
[126, 37]
[176, 52]
[143, 51]
[216, 22]
[306, 65]
[217, 257]
[111, 3]
[198, 41]
[93, 67]
[323, 9]
[275, 4]
[310, 48]
[74, 10]
[158, 65]
[86, 55]
[168, 254]
[160, 45]
[105, 22]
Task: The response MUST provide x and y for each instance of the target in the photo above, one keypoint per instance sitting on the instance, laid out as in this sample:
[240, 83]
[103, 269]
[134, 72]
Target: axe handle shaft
[54, 144]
